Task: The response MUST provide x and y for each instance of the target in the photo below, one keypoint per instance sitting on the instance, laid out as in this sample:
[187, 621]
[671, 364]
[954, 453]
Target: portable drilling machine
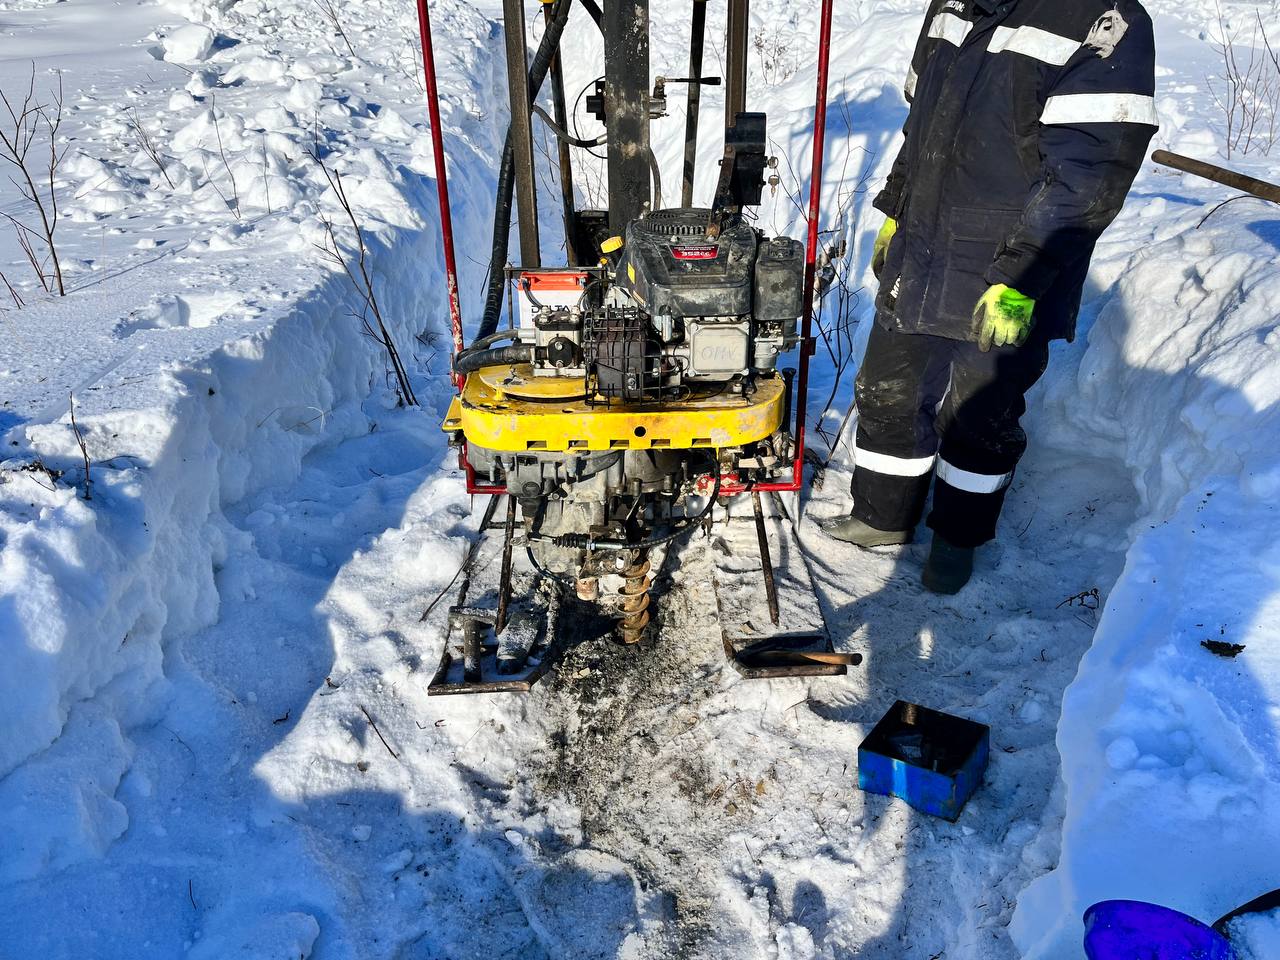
[634, 387]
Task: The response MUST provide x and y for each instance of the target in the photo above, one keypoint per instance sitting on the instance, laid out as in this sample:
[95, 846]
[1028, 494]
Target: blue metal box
[931, 760]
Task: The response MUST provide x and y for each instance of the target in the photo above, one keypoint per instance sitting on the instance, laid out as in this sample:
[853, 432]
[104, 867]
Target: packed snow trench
[215, 739]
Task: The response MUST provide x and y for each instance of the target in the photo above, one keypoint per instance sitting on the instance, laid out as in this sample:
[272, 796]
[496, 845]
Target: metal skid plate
[797, 644]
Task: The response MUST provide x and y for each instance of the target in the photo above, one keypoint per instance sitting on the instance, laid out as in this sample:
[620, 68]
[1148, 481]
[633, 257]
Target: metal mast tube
[521, 130]
[735, 94]
[626, 91]
[695, 98]
[562, 120]
[442, 182]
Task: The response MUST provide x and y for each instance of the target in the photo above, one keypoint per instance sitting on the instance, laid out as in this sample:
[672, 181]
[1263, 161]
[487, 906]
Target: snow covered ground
[202, 662]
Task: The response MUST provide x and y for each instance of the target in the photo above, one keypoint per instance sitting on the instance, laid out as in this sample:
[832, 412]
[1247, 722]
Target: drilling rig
[614, 404]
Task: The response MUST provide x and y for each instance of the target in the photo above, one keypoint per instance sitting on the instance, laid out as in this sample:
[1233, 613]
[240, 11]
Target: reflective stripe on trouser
[932, 406]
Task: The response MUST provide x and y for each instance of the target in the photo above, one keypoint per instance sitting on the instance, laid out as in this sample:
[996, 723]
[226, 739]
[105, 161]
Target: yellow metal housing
[488, 417]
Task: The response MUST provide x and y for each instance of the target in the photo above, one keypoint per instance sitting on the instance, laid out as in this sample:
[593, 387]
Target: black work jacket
[1027, 127]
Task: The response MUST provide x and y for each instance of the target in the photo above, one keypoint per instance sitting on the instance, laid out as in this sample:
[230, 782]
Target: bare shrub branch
[84, 450]
[147, 145]
[370, 313]
[330, 13]
[30, 127]
[222, 152]
[1247, 92]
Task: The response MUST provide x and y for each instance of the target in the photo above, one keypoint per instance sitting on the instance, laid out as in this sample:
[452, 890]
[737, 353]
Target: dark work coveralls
[1029, 121]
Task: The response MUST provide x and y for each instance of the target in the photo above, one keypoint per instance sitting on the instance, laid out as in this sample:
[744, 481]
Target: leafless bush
[29, 144]
[334, 18]
[1248, 89]
[356, 268]
[147, 145]
[777, 63]
[234, 202]
[408, 63]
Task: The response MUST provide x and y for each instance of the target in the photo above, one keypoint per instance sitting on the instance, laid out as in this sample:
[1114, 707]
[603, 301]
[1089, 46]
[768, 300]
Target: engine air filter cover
[670, 266]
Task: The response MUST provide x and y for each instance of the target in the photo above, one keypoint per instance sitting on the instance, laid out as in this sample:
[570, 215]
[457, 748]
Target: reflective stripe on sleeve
[892, 466]
[972, 482]
[949, 27]
[1100, 108]
[1035, 43]
[909, 88]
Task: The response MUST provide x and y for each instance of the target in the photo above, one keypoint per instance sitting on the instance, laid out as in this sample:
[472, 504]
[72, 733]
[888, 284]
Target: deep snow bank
[1169, 753]
[200, 373]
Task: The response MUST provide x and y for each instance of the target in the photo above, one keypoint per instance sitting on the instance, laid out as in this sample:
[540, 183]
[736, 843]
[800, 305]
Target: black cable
[550, 574]
[594, 10]
[573, 116]
[563, 134]
[689, 523]
[583, 541]
[657, 179]
[483, 343]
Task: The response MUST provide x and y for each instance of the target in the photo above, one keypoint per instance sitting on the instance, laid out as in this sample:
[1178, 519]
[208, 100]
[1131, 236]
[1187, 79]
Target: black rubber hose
[565, 135]
[484, 343]
[547, 48]
[469, 361]
[593, 8]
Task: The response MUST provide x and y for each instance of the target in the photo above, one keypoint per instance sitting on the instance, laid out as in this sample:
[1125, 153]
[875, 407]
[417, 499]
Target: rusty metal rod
[471, 651]
[766, 562]
[504, 582]
[1210, 171]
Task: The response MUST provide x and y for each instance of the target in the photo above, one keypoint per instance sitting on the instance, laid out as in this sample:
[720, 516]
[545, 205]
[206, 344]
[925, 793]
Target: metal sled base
[495, 645]
[771, 623]
[484, 665]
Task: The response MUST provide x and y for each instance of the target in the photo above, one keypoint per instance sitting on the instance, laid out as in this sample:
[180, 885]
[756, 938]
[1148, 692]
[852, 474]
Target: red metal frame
[807, 344]
[442, 182]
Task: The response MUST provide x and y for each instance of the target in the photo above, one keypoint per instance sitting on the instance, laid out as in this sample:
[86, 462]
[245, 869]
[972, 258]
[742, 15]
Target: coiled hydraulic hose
[507, 171]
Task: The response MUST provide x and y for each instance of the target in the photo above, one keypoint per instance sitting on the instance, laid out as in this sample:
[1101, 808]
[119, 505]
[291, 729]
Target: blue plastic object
[1133, 930]
[932, 760]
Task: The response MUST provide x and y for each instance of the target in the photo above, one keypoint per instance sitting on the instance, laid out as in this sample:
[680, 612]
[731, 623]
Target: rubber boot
[852, 530]
[948, 568]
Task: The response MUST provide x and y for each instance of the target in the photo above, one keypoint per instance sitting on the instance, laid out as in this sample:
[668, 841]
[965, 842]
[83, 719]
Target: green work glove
[881, 247]
[1003, 317]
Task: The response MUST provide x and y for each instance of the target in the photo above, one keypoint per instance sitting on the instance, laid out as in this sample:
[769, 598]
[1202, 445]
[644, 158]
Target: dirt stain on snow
[623, 749]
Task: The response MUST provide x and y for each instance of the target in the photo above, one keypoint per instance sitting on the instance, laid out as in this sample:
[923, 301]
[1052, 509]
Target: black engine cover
[670, 267]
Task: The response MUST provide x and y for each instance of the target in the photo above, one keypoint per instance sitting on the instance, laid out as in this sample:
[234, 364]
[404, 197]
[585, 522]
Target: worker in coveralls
[1029, 121]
